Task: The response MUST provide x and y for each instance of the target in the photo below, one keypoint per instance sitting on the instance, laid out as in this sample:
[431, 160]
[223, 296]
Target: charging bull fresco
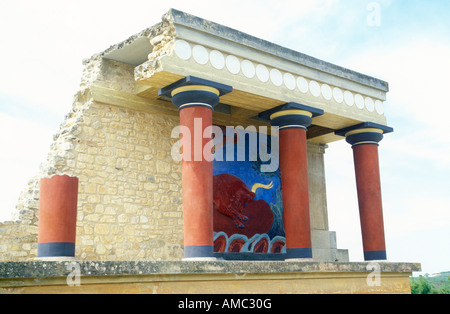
[247, 202]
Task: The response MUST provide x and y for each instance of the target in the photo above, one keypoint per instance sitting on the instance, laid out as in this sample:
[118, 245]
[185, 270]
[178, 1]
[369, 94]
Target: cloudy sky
[405, 42]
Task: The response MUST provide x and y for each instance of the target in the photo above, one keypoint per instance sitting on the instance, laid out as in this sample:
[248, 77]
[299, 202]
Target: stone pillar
[57, 217]
[364, 139]
[196, 99]
[293, 120]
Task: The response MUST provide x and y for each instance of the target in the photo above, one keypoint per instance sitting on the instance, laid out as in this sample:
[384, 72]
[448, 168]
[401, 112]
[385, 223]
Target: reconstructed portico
[184, 225]
[308, 99]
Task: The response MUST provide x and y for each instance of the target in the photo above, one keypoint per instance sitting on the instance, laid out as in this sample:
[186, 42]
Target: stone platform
[219, 277]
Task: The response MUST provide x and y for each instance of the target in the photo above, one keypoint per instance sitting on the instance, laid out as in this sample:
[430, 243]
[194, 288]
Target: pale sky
[44, 43]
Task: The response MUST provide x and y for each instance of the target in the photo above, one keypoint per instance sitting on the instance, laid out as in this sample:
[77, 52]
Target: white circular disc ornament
[370, 105]
[359, 100]
[302, 84]
[379, 107]
[338, 95]
[183, 50]
[233, 64]
[289, 81]
[314, 87]
[262, 73]
[276, 77]
[217, 59]
[326, 92]
[200, 54]
[248, 69]
[349, 99]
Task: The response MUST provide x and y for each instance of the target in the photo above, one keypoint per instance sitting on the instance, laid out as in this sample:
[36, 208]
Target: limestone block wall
[130, 202]
[18, 240]
[130, 199]
[130, 189]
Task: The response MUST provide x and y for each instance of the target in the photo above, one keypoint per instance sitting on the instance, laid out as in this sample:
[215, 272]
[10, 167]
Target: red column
[369, 200]
[293, 120]
[57, 216]
[197, 178]
[195, 99]
[295, 191]
[365, 139]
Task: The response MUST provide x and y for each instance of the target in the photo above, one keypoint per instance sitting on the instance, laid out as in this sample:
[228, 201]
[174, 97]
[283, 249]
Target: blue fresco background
[250, 173]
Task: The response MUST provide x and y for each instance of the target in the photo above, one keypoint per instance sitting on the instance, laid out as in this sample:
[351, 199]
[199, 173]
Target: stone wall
[130, 202]
[130, 189]
[18, 241]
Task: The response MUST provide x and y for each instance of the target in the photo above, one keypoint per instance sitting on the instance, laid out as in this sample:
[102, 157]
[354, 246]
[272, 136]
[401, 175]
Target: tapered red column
[57, 216]
[293, 121]
[196, 99]
[365, 139]
[369, 200]
[295, 191]
[197, 179]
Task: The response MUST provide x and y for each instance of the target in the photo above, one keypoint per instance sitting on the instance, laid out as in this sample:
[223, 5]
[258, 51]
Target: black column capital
[192, 91]
[291, 115]
[367, 133]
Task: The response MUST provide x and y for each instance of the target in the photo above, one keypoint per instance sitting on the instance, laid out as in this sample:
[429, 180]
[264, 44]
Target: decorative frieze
[265, 74]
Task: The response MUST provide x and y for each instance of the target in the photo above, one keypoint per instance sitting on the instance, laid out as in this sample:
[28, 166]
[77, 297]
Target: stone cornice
[226, 33]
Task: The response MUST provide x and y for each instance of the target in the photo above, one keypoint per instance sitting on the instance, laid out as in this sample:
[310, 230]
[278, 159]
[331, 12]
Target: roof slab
[263, 75]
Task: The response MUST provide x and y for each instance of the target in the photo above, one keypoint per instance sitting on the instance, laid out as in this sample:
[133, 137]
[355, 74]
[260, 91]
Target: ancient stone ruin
[140, 198]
